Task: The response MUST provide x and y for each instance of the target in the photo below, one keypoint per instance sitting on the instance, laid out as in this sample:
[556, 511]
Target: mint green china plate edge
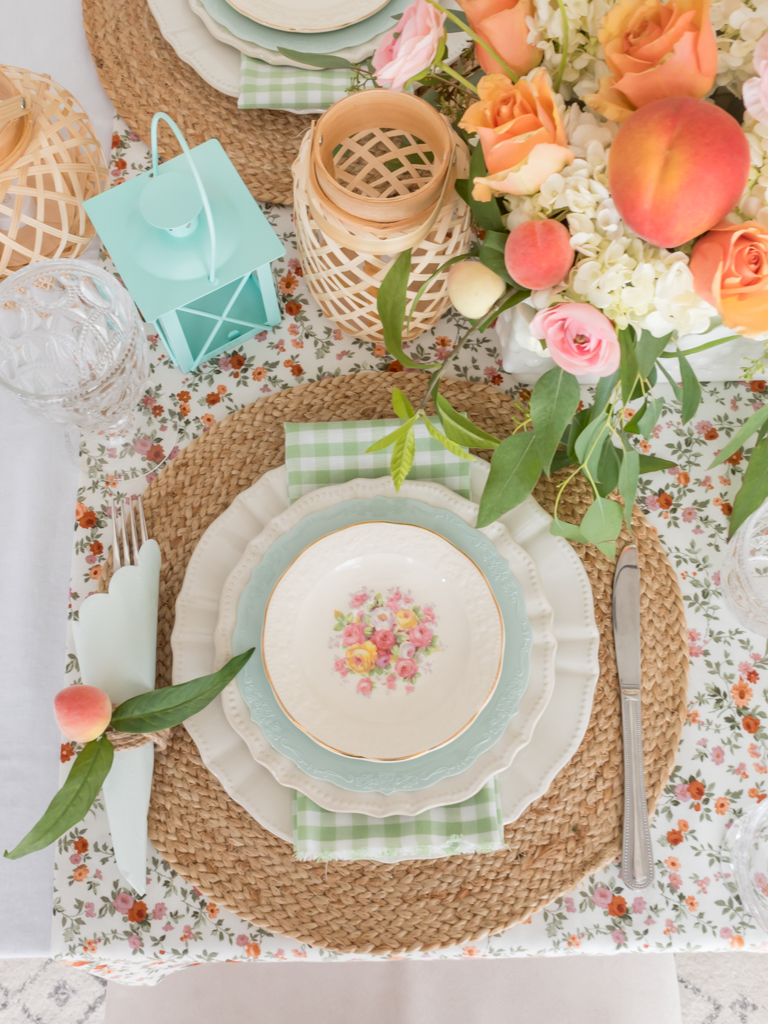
[356, 774]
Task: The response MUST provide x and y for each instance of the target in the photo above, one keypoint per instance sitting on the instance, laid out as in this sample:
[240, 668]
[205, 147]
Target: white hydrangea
[753, 204]
[631, 281]
[738, 26]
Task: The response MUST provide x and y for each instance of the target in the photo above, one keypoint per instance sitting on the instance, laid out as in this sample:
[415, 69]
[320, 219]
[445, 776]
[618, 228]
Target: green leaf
[492, 254]
[676, 389]
[755, 422]
[652, 463]
[389, 439]
[629, 476]
[562, 529]
[647, 421]
[446, 442]
[402, 457]
[754, 488]
[628, 369]
[451, 26]
[608, 548]
[162, 709]
[587, 441]
[487, 215]
[554, 400]
[425, 284]
[461, 429]
[602, 521]
[691, 389]
[608, 468]
[315, 60]
[648, 350]
[603, 392]
[578, 423]
[73, 800]
[401, 405]
[515, 468]
[390, 302]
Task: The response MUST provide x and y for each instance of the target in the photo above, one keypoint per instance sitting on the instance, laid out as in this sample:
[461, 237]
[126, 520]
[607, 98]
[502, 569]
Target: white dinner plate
[307, 15]
[217, 63]
[556, 736]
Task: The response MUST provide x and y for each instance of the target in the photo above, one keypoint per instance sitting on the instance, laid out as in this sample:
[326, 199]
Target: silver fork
[120, 534]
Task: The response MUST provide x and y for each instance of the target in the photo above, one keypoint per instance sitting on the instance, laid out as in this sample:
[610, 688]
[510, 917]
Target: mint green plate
[358, 774]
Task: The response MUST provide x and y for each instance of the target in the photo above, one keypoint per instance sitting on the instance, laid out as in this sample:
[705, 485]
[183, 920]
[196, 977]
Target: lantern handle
[195, 174]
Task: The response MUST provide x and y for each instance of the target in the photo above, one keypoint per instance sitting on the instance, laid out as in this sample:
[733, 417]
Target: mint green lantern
[193, 248]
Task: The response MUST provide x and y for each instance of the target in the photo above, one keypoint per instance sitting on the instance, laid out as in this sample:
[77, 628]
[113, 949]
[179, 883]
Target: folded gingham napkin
[316, 455]
[281, 87]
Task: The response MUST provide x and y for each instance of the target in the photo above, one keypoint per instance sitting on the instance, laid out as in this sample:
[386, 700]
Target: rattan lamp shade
[50, 162]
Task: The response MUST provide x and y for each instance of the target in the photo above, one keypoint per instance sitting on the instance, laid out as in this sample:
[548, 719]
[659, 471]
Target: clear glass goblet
[744, 575]
[73, 351]
[744, 862]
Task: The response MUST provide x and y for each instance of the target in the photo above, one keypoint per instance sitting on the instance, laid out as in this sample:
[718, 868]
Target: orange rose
[521, 133]
[502, 24]
[730, 270]
[654, 50]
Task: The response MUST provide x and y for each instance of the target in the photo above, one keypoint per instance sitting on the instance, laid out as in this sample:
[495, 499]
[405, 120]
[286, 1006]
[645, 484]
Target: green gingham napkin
[316, 455]
[281, 87]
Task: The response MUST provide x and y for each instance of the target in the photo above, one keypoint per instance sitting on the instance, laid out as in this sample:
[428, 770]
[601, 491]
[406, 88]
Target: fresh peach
[538, 253]
[82, 712]
[676, 168]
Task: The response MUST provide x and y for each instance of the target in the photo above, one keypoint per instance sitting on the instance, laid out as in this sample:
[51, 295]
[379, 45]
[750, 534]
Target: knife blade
[637, 854]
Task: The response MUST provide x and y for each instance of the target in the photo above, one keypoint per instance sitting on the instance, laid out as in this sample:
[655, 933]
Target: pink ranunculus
[601, 896]
[123, 902]
[353, 634]
[421, 635]
[384, 639]
[365, 686]
[406, 668]
[754, 92]
[579, 338]
[406, 650]
[410, 47]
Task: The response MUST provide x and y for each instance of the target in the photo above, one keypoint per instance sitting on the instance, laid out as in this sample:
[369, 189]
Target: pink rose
[406, 667]
[428, 614]
[159, 912]
[340, 666]
[242, 940]
[142, 445]
[391, 682]
[383, 661]
[406, 650]
[618, 936]
[123, 902]
[359, 599]
[384, 639]
[639, 905]
[134, 942]
[75, 858]
[601, 896]
[353, 634]
[579, 337]
[365, 686]
[410, 47]
[421, 635]
[754, 92]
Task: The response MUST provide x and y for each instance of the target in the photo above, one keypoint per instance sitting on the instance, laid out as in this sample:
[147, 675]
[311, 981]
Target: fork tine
[126, 549]
[115, 542]
[134, 538]
[142, 522]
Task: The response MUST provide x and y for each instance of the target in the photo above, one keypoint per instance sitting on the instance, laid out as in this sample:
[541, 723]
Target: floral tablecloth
[723, 760]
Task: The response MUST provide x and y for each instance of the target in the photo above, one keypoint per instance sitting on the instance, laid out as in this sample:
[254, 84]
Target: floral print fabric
[722, 765]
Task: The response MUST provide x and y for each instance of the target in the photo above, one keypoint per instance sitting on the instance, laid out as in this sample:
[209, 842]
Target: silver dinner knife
[637, 856]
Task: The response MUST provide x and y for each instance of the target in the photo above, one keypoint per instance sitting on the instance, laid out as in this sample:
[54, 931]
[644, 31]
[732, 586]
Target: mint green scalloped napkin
[317, 455]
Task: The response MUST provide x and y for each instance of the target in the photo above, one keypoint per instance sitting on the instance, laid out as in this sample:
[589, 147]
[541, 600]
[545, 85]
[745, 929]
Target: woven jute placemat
[384, 908]
[142, 74]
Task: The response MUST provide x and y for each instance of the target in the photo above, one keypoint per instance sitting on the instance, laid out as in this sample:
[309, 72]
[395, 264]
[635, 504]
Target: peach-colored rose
[730, 270]
[521, 133]
[754, 92]
[502, 24]
[654, 50]
[410, 47]
[579, 337]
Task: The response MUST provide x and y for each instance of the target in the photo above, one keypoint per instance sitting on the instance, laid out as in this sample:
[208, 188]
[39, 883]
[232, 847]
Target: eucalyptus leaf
[401, 405]
[603, 392]
[608, 468]
[451, 26]
[447, 443]
[652, 463]
[629, 477]
[492, 254]
[391, 438]
[676, 389]
[578, 423]
[754, 487]
[402, 457]
[487, 215]
[691, 389]
[315, 60]
[391, 302]
[628, 370]
[608, 548]
[588, 439]
[554, 400]
[650, 416]
[73, 801]
[172, 705]
[602, 521]
[515, 468]
[755, 422]
[649, 348]
[568, 530]
[461, 429]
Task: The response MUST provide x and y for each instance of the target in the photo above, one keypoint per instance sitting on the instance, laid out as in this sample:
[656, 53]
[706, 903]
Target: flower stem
[455, 74]
[564, 55]
[699, 348]
[472, 35]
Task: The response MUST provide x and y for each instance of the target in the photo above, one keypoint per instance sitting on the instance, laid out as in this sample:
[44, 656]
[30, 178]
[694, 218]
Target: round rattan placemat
[142, 74]
[382, 908]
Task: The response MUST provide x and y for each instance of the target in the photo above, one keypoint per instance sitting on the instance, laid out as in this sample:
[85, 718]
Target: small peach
[82, 712]
[538, 253]
[473, 288]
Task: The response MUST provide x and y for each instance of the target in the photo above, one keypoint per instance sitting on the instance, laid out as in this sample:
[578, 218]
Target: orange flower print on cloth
[654, 50]
[387, 640]
[521, 132]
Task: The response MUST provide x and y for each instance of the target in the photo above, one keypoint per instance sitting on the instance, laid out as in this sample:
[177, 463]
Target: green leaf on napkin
[402, 455]
[515, 468]
[73, 800]
[315, 60]
[162, 709]
[446, 442]
[401, 405]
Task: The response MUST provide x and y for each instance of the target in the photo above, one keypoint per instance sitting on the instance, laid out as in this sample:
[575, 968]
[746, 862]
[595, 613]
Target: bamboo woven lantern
[50, 162]
[373, 178]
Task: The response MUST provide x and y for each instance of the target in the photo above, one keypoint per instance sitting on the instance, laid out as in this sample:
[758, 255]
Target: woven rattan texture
[379, 908]
[142, 74]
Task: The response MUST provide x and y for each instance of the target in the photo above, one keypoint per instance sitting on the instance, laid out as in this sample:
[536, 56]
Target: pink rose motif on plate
[385, 639]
